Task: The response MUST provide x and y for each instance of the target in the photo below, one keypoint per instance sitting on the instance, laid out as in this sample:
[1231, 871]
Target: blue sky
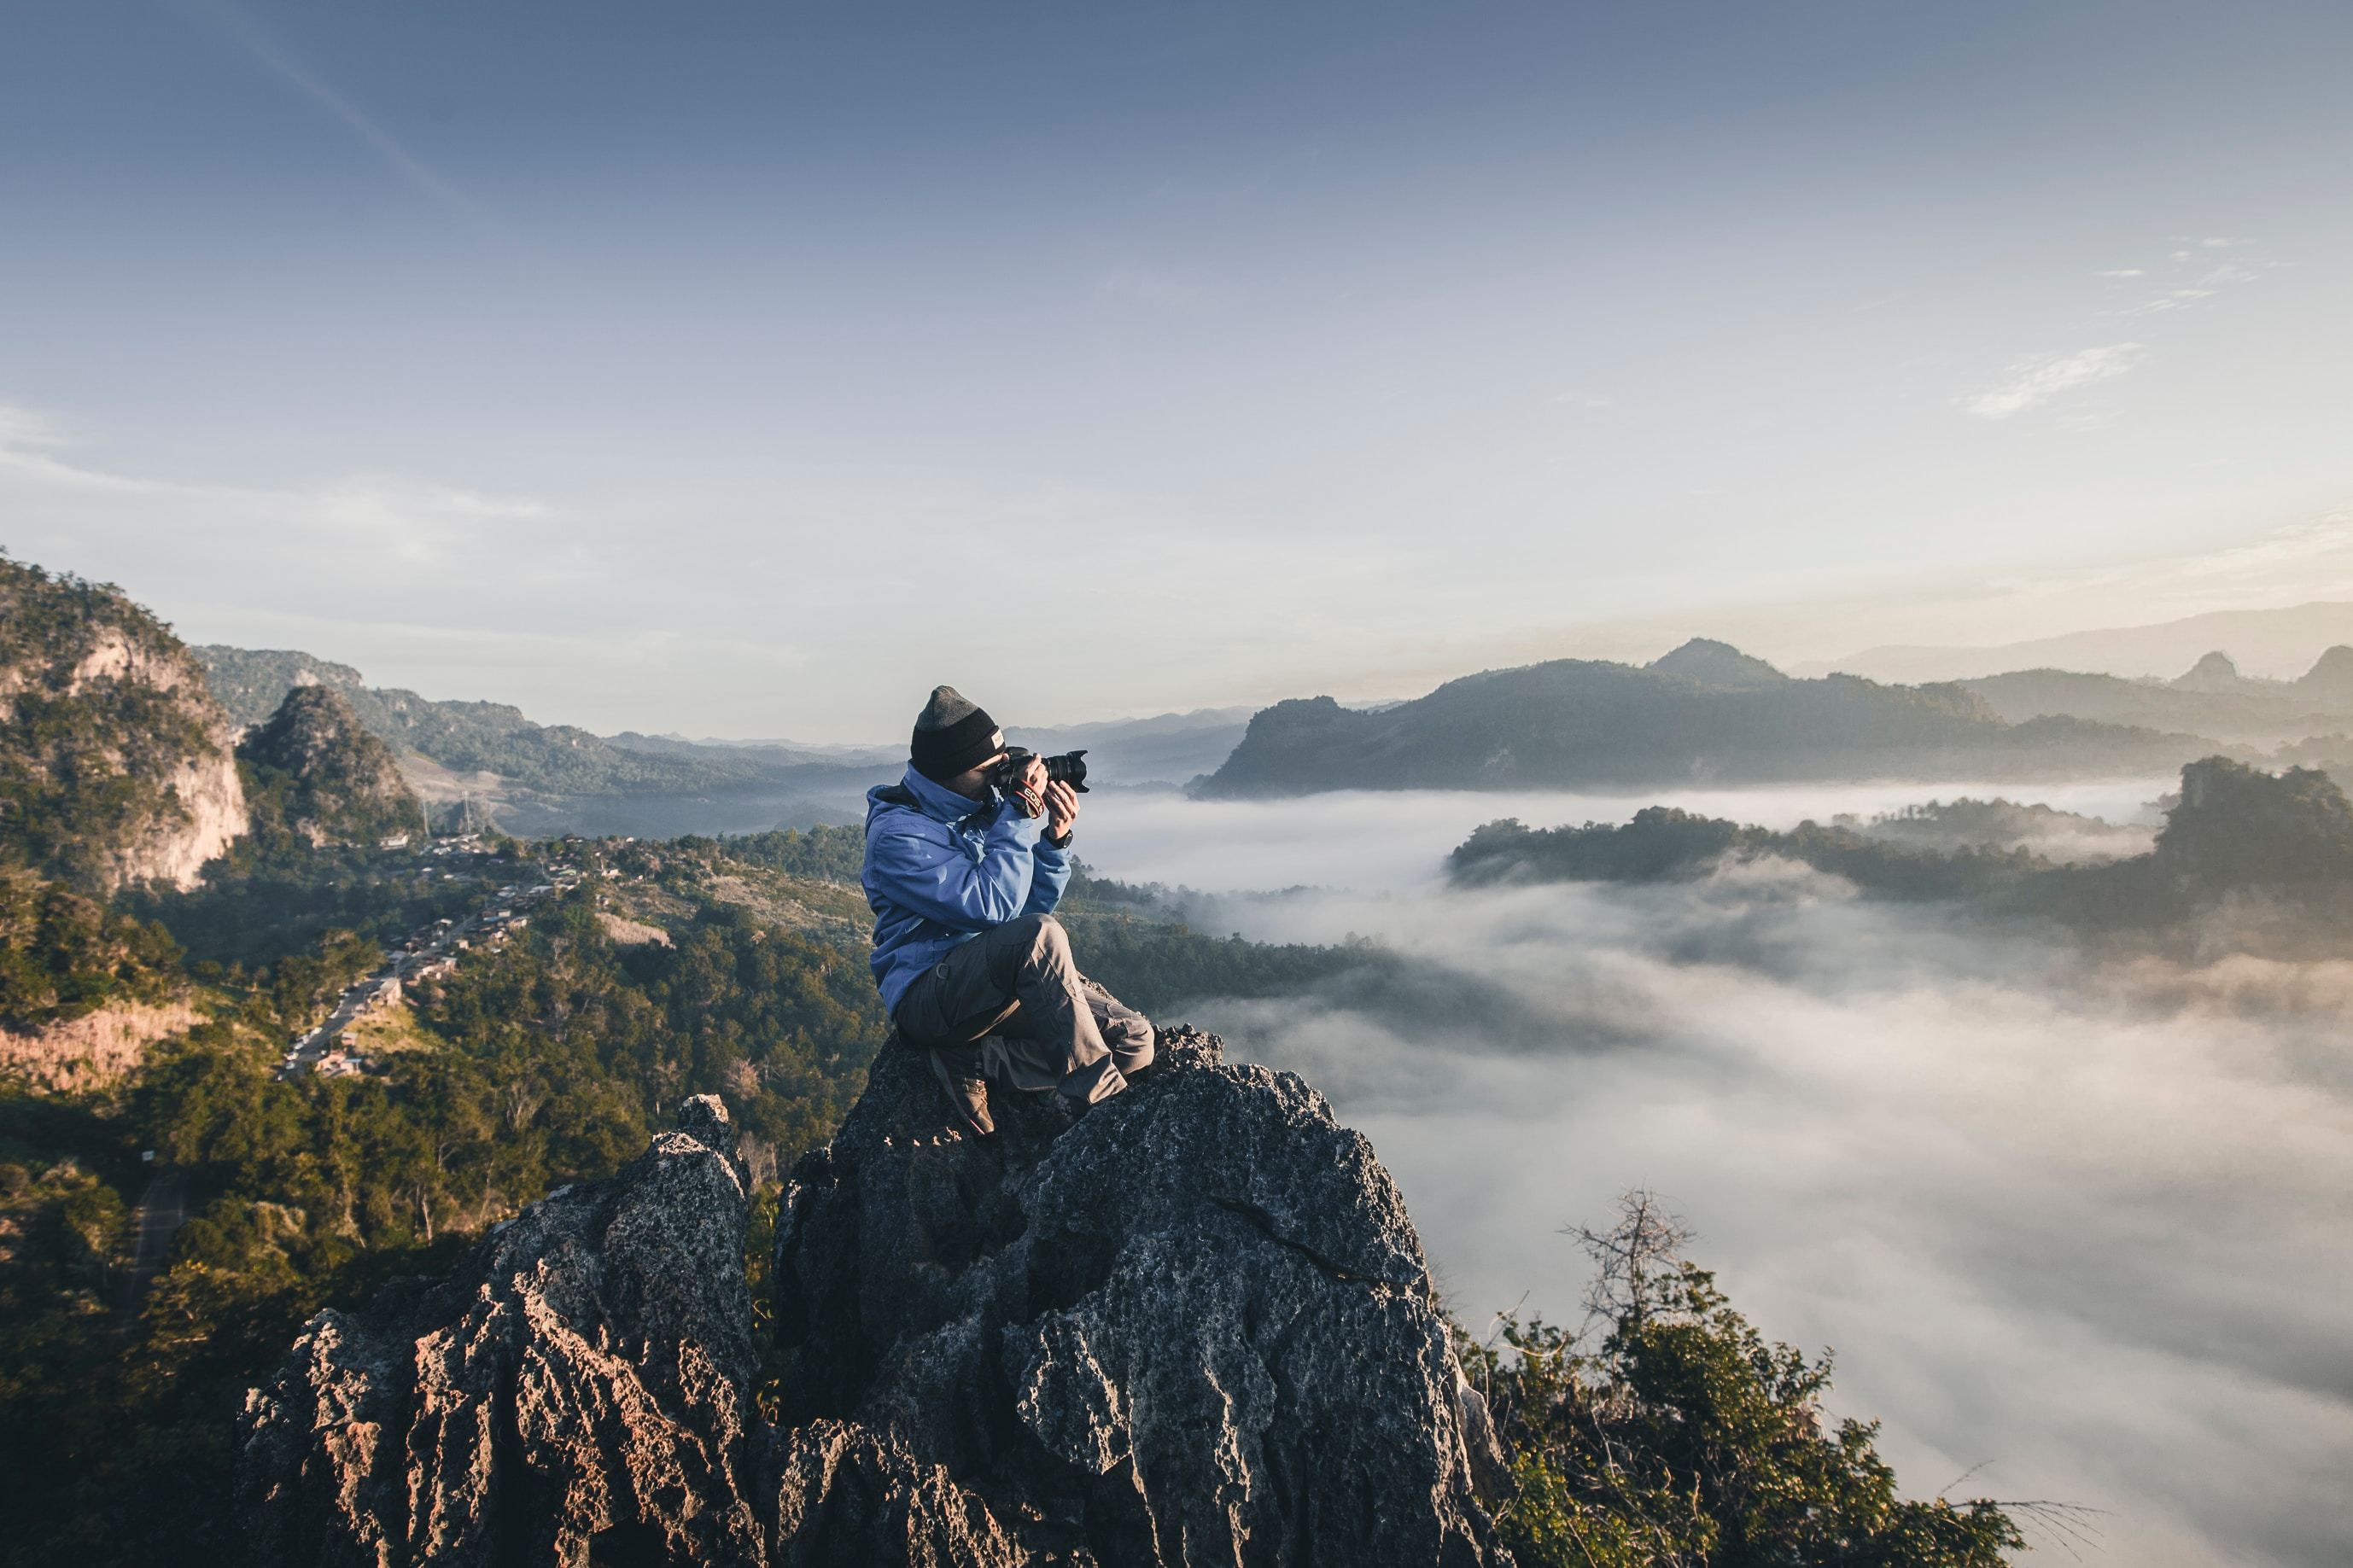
[747, 369]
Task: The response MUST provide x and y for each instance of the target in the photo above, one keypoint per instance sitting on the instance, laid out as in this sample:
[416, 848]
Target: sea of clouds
[2076, 1229]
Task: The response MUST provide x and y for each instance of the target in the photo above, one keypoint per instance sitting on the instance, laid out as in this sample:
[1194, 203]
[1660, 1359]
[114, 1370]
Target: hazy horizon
[2277, 654]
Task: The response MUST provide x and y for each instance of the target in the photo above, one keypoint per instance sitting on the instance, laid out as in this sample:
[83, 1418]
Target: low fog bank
[1371, 840]
[2084, 1225]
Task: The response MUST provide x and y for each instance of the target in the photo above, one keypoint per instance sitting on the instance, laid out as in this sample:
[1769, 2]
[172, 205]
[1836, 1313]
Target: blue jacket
[940, 870]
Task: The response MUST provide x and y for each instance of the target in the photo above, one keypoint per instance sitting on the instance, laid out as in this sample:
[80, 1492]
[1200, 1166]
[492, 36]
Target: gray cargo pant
[1040, 1025]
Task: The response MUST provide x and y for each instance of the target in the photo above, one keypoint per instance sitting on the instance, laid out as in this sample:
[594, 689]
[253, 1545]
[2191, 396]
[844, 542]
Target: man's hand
[1029, 791]
[1062, 809]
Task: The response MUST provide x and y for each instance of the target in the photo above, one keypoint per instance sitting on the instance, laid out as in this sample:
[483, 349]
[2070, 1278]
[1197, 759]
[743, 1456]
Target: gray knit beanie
[953, 733]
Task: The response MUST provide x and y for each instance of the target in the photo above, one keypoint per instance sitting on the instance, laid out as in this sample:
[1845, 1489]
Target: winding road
[163, 1209]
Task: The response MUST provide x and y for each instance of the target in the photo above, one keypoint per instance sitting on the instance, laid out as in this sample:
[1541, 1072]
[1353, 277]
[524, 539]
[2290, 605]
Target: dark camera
[1070, 768]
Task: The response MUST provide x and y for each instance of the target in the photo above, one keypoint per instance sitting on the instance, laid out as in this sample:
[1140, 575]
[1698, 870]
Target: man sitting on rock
[975, 969]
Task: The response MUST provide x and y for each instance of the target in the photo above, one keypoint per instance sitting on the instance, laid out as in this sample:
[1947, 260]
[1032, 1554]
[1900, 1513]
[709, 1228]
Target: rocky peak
[316, 773]
[2214, 673]
[1704, 661]
[1193, 1327]
[2330, 678]
[579, 1390]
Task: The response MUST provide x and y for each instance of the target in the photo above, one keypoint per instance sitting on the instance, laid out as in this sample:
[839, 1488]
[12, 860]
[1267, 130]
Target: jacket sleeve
[1051, 874]
[1048, 880]
[935, 880]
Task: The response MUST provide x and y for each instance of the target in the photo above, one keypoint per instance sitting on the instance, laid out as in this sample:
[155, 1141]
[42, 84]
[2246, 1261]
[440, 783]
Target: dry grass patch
[94, 1049]
[388, 1031]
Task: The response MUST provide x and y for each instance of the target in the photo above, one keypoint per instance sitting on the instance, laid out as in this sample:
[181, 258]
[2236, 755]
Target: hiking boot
[958, 1069]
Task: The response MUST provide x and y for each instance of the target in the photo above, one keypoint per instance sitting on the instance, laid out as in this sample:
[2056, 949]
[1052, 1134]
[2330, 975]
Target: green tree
[1688, 1440]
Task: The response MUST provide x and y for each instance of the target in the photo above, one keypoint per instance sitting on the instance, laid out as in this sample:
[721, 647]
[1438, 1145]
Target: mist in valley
[2075, 1225]
[1388, 841]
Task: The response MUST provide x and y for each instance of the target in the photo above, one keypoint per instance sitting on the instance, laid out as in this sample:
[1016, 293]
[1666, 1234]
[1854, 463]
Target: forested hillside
[545, 1063]
[314, 775]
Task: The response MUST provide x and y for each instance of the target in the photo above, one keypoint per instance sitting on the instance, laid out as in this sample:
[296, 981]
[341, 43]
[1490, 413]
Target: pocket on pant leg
[1111, 1015]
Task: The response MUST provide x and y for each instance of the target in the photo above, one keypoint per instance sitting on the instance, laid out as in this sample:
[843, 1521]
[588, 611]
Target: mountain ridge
[2211, 697]
[2270, 641]
[476, 761]
[1578, 722]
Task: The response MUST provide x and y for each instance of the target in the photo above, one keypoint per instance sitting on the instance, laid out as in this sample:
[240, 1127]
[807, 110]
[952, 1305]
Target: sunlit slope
[115, 761]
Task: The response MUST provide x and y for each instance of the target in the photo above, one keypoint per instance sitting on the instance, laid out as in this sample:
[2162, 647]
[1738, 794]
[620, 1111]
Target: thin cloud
[2204, 286]
[23, 426]
[1161, 288]
[393, 518]
[250, 36]
[2035, 382]
[2171, 300]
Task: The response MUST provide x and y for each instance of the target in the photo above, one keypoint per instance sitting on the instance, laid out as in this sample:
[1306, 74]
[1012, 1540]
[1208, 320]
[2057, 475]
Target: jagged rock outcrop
[115, 761]
[580, 1390]
[1195, 1327]
[317, 776]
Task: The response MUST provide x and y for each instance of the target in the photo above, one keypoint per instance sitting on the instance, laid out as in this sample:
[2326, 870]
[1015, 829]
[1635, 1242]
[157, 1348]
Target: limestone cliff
[115, 761]
[1195, 1327]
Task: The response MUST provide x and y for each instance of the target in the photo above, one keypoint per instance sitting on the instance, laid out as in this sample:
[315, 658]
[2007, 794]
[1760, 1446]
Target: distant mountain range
[1168, 748]
[1705, 712]
[463, 738]
[2211, 699]
[487, 762]
[2272, 642]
